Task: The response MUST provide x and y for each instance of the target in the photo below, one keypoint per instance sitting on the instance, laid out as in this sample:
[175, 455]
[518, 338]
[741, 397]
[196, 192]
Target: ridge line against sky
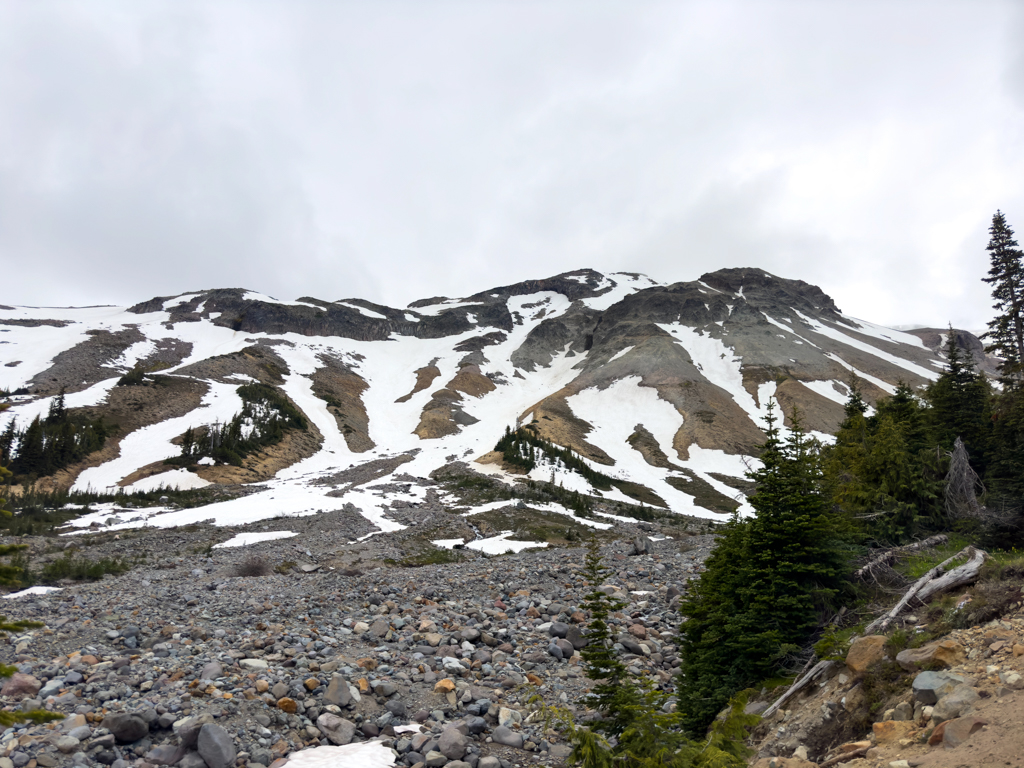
[399, 150]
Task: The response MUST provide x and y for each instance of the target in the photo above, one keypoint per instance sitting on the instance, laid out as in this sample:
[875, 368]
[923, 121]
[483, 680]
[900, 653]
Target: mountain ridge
[656, 385]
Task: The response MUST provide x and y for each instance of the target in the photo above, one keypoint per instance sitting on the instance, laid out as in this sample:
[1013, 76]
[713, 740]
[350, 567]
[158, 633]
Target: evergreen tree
[1006, 276]
[959, 403]
[766, 583]
[614, 691]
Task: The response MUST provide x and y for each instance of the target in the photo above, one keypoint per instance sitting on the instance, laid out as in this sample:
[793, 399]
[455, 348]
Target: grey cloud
[399, 150]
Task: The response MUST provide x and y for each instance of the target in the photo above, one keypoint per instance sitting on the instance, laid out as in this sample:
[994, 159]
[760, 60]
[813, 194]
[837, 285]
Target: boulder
[126, 728]
[338, 692]
[954, 703]
[188, 730]
[216, 746]
[338, 730]
[953, 733]
[930, 686]
[452, 743]
[946, 652]
[211, 671]
[507, 737]
[865, 652]
[20, 685]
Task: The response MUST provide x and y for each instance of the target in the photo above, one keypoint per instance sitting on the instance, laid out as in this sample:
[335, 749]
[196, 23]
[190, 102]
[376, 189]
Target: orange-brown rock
[444, 685]
[287, 704]
[892, 730]
[638, 631]
[311, 684]
[865, 652]
[947, 652]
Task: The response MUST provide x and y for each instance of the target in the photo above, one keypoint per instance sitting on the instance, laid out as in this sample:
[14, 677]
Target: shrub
[252, 565]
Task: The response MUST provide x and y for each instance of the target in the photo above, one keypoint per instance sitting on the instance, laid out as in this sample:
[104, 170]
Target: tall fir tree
[1006, 276]
[767, 582]
[614, 693]
[959, 403]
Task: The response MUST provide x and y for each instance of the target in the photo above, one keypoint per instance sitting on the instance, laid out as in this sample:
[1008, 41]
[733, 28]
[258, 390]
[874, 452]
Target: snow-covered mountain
[663, 386]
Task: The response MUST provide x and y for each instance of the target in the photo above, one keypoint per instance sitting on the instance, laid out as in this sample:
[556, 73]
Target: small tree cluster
[49, 444]
[265, 417]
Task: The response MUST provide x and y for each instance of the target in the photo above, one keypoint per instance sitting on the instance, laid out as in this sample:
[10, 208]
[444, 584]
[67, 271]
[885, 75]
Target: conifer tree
[959, 403]
[766, 582]
[1006, 276]
[614, 692]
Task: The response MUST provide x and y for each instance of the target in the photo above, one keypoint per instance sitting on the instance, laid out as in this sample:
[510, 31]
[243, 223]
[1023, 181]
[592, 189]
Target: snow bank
[31, 591]
[245, 539]
[365, 754]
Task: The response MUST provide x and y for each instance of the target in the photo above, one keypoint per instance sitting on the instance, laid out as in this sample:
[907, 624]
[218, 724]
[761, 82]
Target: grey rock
[452, 743]
[566, 647]
[67, 744]
[929, 687]
[165, 754]
[396, 708]
[81, 733]
[433, 760]
[507, 737]
[954, 703]
[489, 762]
[215, 746]
[188, 730]
[576, 638]
[338, 730]
[558, 629]
[338, 692]
[126, 728]
[211, 671]
[192, 760]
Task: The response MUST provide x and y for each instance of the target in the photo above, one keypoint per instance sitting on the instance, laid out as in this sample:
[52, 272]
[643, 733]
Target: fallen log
[891, 554]
[937, 580]
[800, 684]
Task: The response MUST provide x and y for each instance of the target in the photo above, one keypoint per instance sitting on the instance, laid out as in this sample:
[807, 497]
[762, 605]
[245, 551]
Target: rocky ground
[957, 702]
[183, 661]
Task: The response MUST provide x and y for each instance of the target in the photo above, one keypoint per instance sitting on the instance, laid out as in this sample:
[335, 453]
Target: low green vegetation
[75, 568]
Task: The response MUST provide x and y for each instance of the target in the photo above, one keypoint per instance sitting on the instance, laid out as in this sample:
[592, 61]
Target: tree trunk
[934, 582]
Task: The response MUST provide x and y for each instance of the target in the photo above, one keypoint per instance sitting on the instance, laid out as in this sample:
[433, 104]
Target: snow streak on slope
[722, 368]
[839, 336]
[614, 413]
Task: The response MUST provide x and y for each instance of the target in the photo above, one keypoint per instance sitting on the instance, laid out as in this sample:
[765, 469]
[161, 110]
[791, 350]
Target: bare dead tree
[963, 486]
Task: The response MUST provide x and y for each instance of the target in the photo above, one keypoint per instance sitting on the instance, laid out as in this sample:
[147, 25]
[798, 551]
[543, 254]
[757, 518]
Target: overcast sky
[394, 151]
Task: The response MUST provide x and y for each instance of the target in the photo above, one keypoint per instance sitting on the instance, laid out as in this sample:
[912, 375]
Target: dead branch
[842, 758]
[934, 582]
[821, 666]
[890, 555]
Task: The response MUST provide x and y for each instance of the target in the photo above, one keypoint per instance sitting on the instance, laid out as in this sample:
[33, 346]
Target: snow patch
[245, 539]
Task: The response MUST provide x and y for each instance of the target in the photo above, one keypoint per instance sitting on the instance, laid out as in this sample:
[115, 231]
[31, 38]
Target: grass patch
[917, 564]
